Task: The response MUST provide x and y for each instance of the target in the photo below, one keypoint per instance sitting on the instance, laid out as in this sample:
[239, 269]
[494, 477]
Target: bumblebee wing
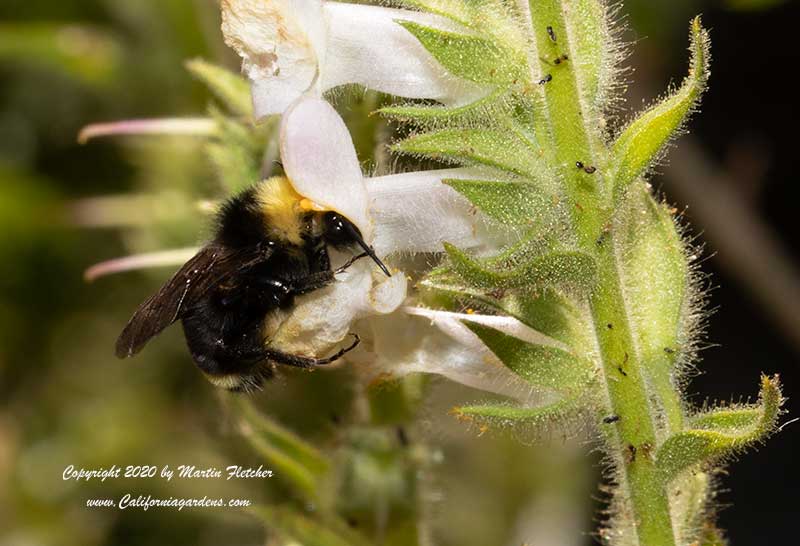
[204, 271]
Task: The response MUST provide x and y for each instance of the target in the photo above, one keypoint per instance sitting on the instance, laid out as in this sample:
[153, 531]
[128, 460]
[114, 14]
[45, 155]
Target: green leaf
[708, 444]
[293, 459]
[548, 367]
[231, 89]
[236, 151]
[289, 523]
[504, 150]
[510, 203]
[471, 57]
[571, 269]
[643, 141]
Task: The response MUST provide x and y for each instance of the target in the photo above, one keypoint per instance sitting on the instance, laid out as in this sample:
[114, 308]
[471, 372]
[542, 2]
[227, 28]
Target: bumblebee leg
[311, 282]
[309, 362]
[350, 262]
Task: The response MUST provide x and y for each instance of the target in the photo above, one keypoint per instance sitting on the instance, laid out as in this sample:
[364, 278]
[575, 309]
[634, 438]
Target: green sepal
[658, 284]
[571, 269]
[544, 366]
[231, 89]
[503, 150]
[481, 110]
[471, 57]
[288, 523]
[509, 203]
[542, 417]
[709, 443]
[293, 459]
[655, 275]
[643, 141]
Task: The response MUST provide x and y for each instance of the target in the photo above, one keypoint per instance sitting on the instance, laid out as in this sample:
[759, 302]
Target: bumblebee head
[339, 232]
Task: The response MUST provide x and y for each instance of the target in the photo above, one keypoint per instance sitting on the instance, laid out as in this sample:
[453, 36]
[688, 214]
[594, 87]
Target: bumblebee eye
[339, 230]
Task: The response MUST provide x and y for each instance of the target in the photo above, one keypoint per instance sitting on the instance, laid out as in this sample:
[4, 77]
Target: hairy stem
[572, 141]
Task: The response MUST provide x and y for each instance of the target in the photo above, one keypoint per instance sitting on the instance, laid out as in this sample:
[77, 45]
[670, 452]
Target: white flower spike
[290, 48]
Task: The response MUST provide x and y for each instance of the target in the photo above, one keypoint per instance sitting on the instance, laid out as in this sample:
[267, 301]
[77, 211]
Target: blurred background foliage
[64, 398]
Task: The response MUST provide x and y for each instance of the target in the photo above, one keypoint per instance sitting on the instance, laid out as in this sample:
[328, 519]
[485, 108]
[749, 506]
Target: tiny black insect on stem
[551, 33]
[561, 59]
[630, 453]
[588, 169]
[611, 419]
[546, 79]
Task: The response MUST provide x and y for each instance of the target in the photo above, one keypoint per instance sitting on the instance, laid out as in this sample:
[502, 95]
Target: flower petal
[415, 212]
[321, 163]
[165, 258]
[403, 343]
[365, 45]
[507, 325]
[280, 43]
[322, 319]
[159, 126]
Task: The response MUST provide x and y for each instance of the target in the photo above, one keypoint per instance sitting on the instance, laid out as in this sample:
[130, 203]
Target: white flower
[410, 212]
[420, 340]
[293, 47]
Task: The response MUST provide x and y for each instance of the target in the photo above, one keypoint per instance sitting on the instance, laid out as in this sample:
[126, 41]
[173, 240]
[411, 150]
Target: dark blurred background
[64, 399]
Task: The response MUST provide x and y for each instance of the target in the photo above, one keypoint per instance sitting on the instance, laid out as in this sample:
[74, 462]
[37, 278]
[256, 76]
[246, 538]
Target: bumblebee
[270, 246]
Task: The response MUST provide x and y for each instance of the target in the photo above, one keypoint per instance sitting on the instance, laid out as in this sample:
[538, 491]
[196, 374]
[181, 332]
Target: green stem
[592, 209]
[635, 438]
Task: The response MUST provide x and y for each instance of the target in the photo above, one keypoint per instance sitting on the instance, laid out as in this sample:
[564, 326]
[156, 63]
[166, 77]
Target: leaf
[543, 366]
[293, 459]
[291, 524]
[564, 268]
[471, 57]
[230, 88]
[236, 152]
[708, 444]
[643, 141]
[510, 203]
[502, 150]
